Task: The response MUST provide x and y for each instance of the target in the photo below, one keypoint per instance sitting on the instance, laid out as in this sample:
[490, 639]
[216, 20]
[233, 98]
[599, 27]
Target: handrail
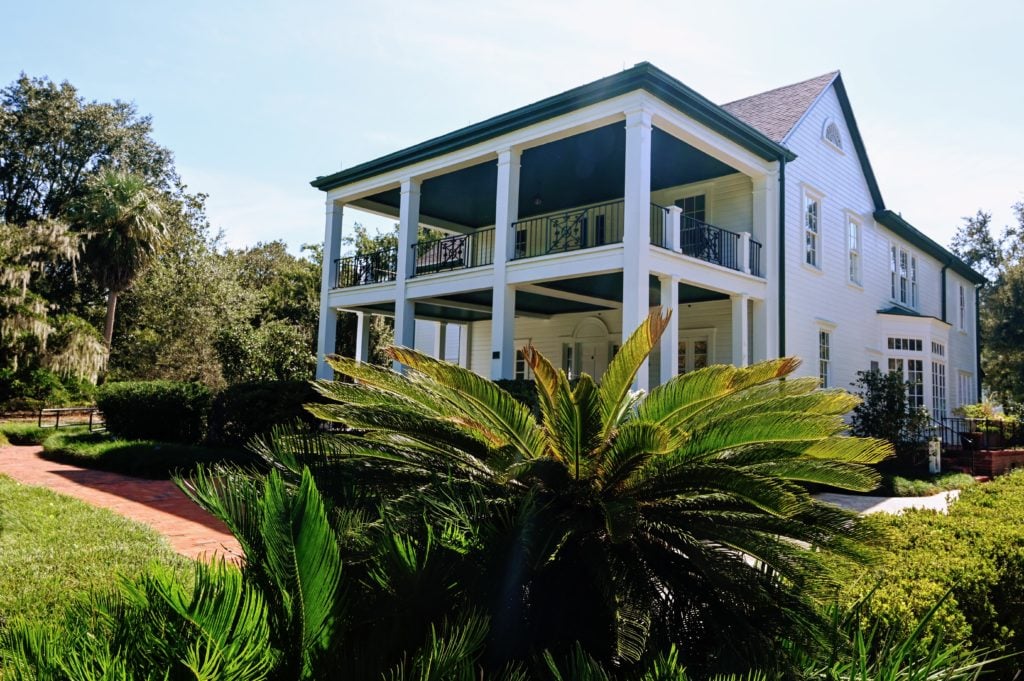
[712, 244]
[366, 268]
[454, 252]
[568, 230]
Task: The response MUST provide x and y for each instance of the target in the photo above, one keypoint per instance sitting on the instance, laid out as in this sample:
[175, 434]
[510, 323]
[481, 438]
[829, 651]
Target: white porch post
[465, 345]
[759, 326]
[408, 226]
[675, 221]
[670, 339]
[362, 337]
[327, 333]
[503, 301]
[740, 330]
[440, 339]
[637, 230]
[766, 230]
[745, 252]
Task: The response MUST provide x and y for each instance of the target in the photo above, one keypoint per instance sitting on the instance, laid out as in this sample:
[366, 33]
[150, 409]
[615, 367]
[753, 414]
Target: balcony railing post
[672, 229]
[745, 252]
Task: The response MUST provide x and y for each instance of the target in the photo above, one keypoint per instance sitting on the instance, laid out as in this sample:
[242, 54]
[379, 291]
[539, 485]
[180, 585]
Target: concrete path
[893, 505]
[190, 530]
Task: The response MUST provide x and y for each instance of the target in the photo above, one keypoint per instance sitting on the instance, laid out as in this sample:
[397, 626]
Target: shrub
[33, 389]
[904, 487]
[976, 552]
[245, 410]
[523, 390]
[886, 413]
[155, 410]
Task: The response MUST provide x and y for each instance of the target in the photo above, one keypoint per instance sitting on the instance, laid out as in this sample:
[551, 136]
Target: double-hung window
[903, 272]
[825, 357]
[962, 318]
[812, 230]
[853, 249]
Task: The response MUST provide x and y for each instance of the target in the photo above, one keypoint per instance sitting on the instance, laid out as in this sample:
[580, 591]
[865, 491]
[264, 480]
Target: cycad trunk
[108, 330]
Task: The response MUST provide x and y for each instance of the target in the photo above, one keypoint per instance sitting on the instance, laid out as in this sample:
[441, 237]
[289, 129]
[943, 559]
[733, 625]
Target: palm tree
[122, 216]
[625, 522]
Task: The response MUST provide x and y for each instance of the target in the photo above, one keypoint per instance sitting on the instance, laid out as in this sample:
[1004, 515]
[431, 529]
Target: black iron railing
[709, 243]
[979, 434]
[659, 225]
[454, 252]
[570, 230]
[366, 268]
[755, 258]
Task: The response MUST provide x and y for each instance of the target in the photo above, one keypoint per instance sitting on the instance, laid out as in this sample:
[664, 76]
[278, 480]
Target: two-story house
[759, 222]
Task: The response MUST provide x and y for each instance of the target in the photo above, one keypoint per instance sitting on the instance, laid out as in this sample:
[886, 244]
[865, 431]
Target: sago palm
[625, 522]
[122, 218]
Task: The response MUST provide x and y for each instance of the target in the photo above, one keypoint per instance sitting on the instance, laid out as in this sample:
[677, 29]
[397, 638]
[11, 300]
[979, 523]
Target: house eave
[643, 76]
[903, 229]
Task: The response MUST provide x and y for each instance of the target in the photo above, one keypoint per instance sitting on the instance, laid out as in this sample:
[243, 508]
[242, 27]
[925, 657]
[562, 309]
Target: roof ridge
[830, 75]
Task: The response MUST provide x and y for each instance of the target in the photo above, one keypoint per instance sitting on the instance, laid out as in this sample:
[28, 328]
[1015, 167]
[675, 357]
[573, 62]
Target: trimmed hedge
[243, 411]
[976, 552]
[155, 410]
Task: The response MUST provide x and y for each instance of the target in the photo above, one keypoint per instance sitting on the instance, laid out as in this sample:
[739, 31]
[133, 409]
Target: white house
[759, 222]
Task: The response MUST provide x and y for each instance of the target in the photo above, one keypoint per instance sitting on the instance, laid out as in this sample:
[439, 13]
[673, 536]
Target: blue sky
[257, 98]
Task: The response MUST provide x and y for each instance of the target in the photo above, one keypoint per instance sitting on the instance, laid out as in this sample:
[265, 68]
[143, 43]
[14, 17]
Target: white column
[766, 230]
[440, 339]
[759, 325]
[465, 345]
[503, 301]
[745, 252]
[637, 229]
[362, 337]
[740, 330]
[327, 333]
[670, 339]
[675, 221]
[408, 226]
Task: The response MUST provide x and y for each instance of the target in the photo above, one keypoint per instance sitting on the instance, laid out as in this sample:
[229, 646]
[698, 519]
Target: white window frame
[854, 249]
[527, 373]
[811, 196]
[839, 134]
[826, 349]
[940, 393]
[688, 337]
[903, 287]
[965, 388]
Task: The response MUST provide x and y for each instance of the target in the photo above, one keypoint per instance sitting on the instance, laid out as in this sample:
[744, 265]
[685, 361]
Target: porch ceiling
[575, 171]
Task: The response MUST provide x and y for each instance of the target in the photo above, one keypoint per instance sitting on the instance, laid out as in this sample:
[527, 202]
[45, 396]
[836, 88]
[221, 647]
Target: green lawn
[142, 458]
[53, 548]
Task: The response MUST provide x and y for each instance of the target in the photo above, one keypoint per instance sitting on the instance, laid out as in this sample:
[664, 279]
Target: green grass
[141, 458]
[28, 433]
[924, 487]
[53, 548]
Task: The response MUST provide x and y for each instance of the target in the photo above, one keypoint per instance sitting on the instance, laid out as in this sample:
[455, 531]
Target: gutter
[977, 333]
[782, 257]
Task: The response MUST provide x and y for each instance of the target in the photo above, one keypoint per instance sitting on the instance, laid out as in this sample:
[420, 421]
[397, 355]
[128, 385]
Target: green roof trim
[643, 76]
[919, 239]
[858, 142]
[898, 311]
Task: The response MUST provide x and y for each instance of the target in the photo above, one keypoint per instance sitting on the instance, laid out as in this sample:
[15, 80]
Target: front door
[594, 358]
[694, 353]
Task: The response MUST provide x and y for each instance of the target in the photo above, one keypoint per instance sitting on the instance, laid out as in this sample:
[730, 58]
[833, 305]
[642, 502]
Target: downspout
[782, 257]
[977, 333]
[943, 275]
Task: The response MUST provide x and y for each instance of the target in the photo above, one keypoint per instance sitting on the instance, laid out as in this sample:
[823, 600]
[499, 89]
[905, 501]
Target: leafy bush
[524, 390]
[885, 413]
[246, 410]
[976, 552]
[31, 390]
[155, 410]
[907, 487]
[986, 411]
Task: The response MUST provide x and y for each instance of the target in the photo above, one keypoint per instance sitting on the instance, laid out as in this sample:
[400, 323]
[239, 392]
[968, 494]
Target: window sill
[812, 269]
[854, 285]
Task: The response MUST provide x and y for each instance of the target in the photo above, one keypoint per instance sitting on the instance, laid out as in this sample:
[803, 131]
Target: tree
[52, 142]
[623, 522]
[123, 220]
[885, 413]
[1002, 300]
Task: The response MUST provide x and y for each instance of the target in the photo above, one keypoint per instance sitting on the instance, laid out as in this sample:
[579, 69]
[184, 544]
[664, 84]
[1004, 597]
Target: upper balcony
[558, 232]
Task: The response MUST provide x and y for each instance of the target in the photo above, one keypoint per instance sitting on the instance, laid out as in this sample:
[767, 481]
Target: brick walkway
[190, 530]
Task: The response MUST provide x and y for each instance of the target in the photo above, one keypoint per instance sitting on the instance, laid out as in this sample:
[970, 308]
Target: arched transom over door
[591, 347]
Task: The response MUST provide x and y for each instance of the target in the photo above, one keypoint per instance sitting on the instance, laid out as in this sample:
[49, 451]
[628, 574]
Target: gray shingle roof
[775, 112]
